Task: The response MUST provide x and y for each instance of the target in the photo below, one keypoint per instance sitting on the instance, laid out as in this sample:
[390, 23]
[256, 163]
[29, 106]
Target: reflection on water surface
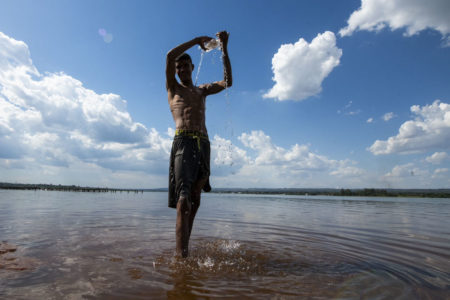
[120, 246]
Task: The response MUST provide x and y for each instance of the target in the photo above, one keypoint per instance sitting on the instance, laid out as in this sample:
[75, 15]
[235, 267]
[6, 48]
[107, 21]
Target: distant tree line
[369, 192]
[431, 193]
[64, 188]
[427, 193]
[365, 192]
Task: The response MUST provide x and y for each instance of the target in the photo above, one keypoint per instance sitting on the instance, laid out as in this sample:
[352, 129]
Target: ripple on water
[104, 255]
[218, 267]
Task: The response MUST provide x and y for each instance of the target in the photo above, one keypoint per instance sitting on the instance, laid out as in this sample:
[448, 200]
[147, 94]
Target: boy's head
[184, 67]
[183, 56]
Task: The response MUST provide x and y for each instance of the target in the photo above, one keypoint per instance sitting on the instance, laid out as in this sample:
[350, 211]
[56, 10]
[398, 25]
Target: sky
[326, 94]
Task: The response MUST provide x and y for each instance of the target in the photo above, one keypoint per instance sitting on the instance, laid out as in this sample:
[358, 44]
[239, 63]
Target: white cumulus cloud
[226, 158]
[440, 171]
[297, 158]
[413, 15]
[51, 119]
[346, 110]
[437, 158]
[407, 176]
[300, 68]
[344, 170]
[387, 116]
[429, 131]
[296, 166]
[405, 170]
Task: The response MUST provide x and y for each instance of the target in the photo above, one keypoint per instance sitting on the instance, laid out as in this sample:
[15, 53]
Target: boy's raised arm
[177, 51]
[227, 81]
[227, 76]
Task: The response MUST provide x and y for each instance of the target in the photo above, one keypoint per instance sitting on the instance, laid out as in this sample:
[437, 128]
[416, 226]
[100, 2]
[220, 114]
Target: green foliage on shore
[64, 188]
[396, 193]
[368, 192]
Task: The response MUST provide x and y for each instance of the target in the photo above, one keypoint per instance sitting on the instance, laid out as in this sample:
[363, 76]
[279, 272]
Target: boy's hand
[202, 40]
[223, 37]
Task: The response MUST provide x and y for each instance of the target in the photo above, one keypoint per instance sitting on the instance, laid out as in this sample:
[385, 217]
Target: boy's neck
[187, 83]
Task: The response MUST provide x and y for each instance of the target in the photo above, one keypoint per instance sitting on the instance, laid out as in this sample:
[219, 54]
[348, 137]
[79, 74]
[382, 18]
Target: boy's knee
[195, 199]
[184, 205]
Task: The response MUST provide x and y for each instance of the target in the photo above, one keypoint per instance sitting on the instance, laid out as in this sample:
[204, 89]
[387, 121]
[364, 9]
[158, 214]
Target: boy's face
[184, 69]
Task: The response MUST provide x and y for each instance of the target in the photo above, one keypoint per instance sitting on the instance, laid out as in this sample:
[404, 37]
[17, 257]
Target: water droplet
[211, 44]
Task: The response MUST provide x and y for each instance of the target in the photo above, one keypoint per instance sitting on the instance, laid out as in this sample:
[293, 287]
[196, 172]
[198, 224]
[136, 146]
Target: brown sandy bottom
[219, 268]
[99, 247]
[216, 268]
[232, 269]
[10, 261]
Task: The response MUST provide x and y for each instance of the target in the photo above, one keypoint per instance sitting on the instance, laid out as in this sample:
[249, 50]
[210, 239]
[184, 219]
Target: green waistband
[192, 133]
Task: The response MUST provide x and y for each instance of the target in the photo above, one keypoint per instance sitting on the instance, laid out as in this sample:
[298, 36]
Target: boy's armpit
[213, 88]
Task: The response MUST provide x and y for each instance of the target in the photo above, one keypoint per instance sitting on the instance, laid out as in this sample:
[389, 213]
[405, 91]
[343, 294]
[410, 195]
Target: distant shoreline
[367, 192]
[64, 188]
[416, 193]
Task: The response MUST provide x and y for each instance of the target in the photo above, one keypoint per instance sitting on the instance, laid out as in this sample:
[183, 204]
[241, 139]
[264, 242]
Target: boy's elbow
[170, 56]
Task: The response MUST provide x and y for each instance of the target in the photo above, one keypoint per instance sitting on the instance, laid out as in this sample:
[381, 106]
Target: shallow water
[120, 246]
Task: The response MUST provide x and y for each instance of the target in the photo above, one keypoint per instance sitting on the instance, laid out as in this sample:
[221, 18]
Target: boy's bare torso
[187, 105]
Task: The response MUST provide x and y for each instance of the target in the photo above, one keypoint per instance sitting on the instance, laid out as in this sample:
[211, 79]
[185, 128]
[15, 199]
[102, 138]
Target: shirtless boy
[189, 160]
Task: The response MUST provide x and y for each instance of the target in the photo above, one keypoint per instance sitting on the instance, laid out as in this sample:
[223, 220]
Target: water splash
[228, 246]
[206, 263]
[212, 44]
[199, 66]
[218, 257]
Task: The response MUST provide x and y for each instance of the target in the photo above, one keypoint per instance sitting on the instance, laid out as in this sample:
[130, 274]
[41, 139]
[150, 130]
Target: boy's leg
[195, 201]
[182, 229]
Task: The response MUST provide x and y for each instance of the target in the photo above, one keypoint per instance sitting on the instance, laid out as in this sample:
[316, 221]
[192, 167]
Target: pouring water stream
[211, 45]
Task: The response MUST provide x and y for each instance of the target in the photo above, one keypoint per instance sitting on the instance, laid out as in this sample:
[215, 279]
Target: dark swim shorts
[189, 163]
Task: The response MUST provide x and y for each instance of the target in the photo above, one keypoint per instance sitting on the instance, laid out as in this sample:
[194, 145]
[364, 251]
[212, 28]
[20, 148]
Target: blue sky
[326, 93]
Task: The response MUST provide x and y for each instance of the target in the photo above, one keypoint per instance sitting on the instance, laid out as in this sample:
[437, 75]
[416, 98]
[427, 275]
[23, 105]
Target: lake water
[121, 246]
